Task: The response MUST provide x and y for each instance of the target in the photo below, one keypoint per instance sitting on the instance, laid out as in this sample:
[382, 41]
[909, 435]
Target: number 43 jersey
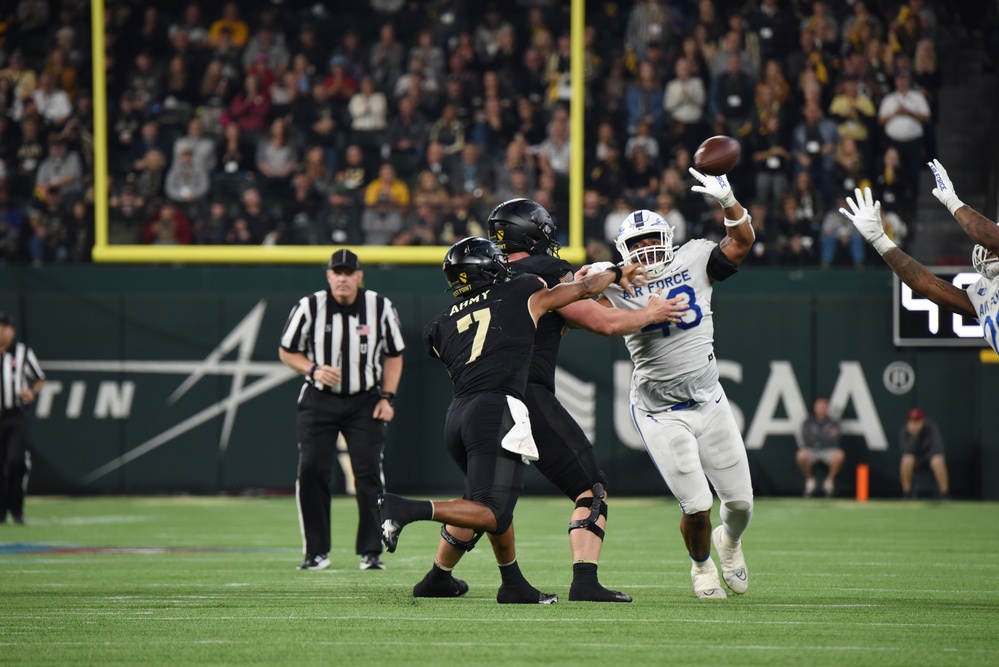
[486, 339]
[984, 296]
[677, 358]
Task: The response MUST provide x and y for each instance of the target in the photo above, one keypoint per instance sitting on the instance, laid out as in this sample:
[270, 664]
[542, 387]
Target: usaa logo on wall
[114, 400]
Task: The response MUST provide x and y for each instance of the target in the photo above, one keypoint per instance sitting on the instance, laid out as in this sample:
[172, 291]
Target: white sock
[735, 516]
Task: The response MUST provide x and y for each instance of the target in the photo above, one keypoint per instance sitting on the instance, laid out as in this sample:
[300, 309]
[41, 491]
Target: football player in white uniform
[678, 405]
[981, 299]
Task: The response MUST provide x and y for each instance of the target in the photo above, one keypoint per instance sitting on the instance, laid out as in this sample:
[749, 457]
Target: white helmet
[641, 225]
[986, 263]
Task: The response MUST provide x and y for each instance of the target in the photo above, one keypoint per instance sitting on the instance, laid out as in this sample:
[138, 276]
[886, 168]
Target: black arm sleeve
[720, 267]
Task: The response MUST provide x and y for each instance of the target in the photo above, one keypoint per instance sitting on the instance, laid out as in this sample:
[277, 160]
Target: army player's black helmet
[523, 225]
[473, 263]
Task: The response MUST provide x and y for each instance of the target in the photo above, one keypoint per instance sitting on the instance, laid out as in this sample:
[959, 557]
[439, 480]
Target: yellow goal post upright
[104, 252]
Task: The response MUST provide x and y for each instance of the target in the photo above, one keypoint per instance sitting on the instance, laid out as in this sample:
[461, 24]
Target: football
[717, 155]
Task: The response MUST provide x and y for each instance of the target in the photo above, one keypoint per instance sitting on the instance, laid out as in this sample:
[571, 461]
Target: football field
[195, 581]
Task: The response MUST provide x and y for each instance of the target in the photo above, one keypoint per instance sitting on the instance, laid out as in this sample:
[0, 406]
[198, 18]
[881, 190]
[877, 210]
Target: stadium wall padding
[166, 379]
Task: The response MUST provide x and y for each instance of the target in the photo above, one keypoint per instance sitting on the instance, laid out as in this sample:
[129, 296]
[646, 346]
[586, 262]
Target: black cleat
[315, 562]
[388, 516]
[372, 562]
[524, 594]
[594, 592]
[452, 587]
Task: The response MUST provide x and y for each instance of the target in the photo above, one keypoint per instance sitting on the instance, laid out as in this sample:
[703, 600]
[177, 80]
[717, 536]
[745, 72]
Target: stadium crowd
[397, 122]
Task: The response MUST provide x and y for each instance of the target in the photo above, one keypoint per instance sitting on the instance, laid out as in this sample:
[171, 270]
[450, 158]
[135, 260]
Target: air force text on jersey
[659, 285]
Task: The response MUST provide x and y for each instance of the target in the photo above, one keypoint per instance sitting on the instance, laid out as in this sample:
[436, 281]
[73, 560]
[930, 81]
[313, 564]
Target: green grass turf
[832, 583]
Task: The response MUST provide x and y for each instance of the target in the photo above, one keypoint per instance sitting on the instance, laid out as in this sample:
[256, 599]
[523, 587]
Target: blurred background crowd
[397, 122]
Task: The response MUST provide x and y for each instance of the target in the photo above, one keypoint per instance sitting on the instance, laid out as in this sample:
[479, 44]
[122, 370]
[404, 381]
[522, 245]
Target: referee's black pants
[321, 418]
[14, 462]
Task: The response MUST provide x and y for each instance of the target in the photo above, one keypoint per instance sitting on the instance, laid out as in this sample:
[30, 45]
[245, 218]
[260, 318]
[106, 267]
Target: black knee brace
[458, 544]
[597, 507]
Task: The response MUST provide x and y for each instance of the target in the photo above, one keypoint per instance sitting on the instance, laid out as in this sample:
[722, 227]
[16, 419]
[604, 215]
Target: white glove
[714, 186]
[866, 217]
[945, 189]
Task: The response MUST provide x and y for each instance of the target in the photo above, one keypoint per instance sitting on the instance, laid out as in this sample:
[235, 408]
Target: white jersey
[674, 363]
[984, 296]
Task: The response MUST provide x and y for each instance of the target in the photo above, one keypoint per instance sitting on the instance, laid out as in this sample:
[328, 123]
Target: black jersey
[485, 340]
[551, 326]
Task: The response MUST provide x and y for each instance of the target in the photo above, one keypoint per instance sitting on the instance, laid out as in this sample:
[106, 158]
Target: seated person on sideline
[920, 443]
[820, 444]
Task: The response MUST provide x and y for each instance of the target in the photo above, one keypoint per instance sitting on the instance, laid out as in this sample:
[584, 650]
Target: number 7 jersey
[667, 351]
[486, 339]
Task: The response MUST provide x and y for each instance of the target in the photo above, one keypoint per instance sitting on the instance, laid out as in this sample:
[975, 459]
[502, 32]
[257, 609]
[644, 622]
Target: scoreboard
[918, 322]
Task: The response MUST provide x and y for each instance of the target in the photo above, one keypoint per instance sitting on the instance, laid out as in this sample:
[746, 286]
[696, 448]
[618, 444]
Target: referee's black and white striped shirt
[353, 338]
[19, 370]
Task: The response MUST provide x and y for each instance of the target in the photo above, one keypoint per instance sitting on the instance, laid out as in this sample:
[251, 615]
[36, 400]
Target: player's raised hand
[865, 214]
[714, 186]
[944, 190]
[582, 271]
[667, 310]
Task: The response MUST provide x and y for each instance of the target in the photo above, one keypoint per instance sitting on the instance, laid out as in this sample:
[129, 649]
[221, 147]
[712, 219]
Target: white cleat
[733, 564]
[705, 578]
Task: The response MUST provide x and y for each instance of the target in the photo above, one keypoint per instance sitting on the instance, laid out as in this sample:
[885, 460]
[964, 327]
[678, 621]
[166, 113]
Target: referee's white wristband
[736, 223]
[883, 244]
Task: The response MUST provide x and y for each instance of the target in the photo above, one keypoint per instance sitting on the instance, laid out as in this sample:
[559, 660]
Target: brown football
[717, 155]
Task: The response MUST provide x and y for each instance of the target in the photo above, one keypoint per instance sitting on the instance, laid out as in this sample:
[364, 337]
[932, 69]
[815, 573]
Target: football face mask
[646, 238]
[985, 262]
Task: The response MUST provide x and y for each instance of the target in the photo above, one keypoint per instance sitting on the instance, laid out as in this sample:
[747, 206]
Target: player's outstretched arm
[981, 230]
[739, 234]
[865, 214]
[596, 317]
[591, 285]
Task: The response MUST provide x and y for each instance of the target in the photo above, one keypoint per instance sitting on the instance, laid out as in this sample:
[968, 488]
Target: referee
[347, 342]
[20, 380]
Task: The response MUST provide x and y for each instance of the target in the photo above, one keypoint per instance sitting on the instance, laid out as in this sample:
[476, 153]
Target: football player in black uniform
[526, 232]
[486, 340]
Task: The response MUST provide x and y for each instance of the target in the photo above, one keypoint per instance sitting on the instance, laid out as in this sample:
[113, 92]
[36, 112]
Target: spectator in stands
[666, 207]
[814, 147]
[487, 34]
[648, 21]
[731, 99]
[231, 24]
[318, 177]
[902, 114]
[641, 181]
[421, 227]
[339, 220]
[644, 99]
[850, 170]
[252, 225]
[927, 79]
[448, 131]
[276, 159]
[61, 169]
[233, 156]
[179, 89]
[820, 436]
[300, 210]
[771, 28]
[202, 147]
[187, 182]
[891, 187]
[168, 226]
[428, 190]
[250, 107]
[473, 174]
[387, 188]
[23, 79]
[554, 154]
[319, 118]
[431, 54]
[765, 251]
[529, 123]
[145, 81]
[266, 47]
[643, 140]
[149, 140]
[381, 221]
[63, 74]
[386, 60]
[684, 102]
[771, 161]
[462, 220]
[192, 26]
[731, 49]
[52, 103]
[368, 110]
[210, 229]
[854, 114]
[841, 244]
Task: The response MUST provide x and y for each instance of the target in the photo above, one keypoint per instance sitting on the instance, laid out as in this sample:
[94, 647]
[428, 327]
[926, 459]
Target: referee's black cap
[5, 319]
[345, 259]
